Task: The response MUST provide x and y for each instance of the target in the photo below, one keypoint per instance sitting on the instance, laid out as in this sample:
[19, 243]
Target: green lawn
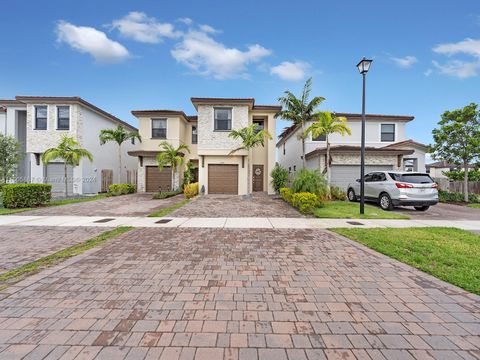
[168, 210]
[351, 210]
[17, 274]
[474, 206]
[4, 211]
[450, 254]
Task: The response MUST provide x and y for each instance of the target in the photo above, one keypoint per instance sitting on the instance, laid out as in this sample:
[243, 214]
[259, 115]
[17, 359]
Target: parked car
[395, 188]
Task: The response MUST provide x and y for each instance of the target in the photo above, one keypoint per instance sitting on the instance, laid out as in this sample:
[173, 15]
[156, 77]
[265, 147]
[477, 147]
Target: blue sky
[125, 55]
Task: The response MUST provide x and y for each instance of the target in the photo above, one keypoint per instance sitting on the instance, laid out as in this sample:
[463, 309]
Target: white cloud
[186, 20]
[138, 26]
[467, 46]
[293, 71]
[458, 68]
[208, 57]
[404, 62]
[428, 72]
[91, 41]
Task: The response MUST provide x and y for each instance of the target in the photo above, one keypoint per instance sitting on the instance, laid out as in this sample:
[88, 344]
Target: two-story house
[40, 122]
[387, 148]
[218, 170]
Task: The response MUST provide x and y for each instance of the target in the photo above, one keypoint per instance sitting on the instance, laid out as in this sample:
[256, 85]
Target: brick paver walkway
[23, 244]
[260, 205]
[236, 294]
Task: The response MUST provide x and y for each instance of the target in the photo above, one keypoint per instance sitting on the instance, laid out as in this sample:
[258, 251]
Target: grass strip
[12, 276]
[351, 210]
[168, 210]
[450, 254]
[474, 206]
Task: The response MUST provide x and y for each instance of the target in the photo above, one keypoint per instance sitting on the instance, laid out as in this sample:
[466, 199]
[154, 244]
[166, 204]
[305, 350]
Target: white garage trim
[342, 175]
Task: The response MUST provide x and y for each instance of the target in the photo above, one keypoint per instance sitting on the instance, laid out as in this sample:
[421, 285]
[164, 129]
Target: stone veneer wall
[141, 174]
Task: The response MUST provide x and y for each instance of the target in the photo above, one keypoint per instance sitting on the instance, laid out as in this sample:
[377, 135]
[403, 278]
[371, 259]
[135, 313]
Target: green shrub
[310, 181]
[1, 188]
[121, 189]
[279, 177]
[447, 196]
[337, 194]
[166, 194]
[458, 175]
[191, 190]
[305, 202]
[286, 194]
[26, 195]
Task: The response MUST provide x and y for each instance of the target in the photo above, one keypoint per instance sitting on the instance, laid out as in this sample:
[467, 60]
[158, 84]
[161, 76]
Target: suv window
[369, 177]
[412, 178]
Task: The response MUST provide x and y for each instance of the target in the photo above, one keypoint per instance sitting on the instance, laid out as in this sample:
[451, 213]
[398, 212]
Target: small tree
[118, 135]
[69, 151]
[188, 174]
[251, 137]
[300, 111]
[279, 177]
[172, 156]
[457, 139]
[10, 156]
[327, 124]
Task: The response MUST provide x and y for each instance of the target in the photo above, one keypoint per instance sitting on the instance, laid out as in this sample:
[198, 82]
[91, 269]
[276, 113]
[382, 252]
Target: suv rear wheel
[351, 195]
[385, 202]
[421, 208]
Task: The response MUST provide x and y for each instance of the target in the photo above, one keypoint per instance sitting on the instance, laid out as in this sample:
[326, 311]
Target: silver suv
[394, 188]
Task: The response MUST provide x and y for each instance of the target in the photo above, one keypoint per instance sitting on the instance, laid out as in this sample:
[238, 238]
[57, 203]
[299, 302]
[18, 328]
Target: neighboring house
[385, 142]
[206, 135]
[39, 122]
[438, 169]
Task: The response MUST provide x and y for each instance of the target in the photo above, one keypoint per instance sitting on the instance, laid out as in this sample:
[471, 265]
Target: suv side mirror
[358, 180]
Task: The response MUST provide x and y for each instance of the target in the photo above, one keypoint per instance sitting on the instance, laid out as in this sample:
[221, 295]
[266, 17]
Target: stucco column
[271, 148]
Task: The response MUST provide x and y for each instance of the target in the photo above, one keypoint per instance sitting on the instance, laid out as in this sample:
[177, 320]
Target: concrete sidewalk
[246, 223]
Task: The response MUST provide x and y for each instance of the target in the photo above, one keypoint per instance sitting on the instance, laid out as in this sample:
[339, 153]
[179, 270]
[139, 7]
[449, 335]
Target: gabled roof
[233, 101]
[406, 143]
[444, 164]
[67, 99]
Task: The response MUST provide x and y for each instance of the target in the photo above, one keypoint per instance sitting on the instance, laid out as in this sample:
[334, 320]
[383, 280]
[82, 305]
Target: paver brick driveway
[138, 204]
[259, 205]
[236, 294]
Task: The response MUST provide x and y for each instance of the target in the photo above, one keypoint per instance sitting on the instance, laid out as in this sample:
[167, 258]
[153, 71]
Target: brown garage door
[158, 181]
[223, 179]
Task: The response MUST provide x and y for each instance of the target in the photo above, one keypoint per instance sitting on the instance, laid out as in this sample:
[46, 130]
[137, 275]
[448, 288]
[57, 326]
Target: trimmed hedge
[305, 202]
[165, 194]
[456, 197]
[337, 194]
[121, 189]
[190, 190]
[286, 194]
[26, 195]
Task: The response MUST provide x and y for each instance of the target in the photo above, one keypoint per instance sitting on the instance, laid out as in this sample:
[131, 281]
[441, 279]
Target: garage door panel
[55, 176]
[158, 181]
[342, 175]
[223, 179]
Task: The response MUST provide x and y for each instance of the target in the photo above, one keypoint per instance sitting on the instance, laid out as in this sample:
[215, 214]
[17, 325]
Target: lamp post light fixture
[363, 67]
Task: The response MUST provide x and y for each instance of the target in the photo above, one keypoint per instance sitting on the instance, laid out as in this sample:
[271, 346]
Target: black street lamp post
[363, 67]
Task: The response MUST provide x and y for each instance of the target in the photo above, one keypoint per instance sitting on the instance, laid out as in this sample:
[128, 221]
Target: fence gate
[132, 177]
[107, 176]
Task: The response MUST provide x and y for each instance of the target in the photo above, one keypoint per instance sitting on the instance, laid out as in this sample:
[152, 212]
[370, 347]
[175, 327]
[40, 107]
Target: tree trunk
[66, 179]
[328, 163]
[173, 179]
[249, 182]
[119, 163]
[304, 164]
[465, 181]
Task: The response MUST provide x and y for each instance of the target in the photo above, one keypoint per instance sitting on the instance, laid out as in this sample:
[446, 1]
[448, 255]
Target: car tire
[385, 202]
[351, 195]
[421, 208]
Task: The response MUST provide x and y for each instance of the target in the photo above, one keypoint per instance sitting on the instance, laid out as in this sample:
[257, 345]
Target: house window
[63, 117]
[321, 137]
[41, 117]
[294, 167]
[223, 119]
[194, 135]
[159, 128]
[410, 165]
[260, 125]
[387, 132]
[133, 141]
[283, 148]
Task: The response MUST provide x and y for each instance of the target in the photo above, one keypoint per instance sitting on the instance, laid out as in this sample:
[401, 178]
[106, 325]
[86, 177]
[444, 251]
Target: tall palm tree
[327, 124]
[172, 156]
[300, 110]
[118, 135]
[251, 137]
[68, 149]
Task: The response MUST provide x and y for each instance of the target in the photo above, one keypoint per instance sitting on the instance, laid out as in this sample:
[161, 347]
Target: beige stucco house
[206, 134]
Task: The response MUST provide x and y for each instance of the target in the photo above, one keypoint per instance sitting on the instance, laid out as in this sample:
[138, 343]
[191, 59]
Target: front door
[257, 177]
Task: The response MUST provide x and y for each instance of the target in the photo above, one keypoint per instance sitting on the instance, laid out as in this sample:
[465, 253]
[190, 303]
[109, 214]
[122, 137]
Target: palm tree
[300, 111]
[171, 156]
[326, 124]
[251, 137]
[118, 135]
[68, 149]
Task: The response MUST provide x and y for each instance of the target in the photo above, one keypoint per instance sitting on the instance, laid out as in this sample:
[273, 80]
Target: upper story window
[321, 137]
[41, 117]
[387, 132]
[159, 128]
[63, 117]
[260, 125]
[223, 119]
[194, 134]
